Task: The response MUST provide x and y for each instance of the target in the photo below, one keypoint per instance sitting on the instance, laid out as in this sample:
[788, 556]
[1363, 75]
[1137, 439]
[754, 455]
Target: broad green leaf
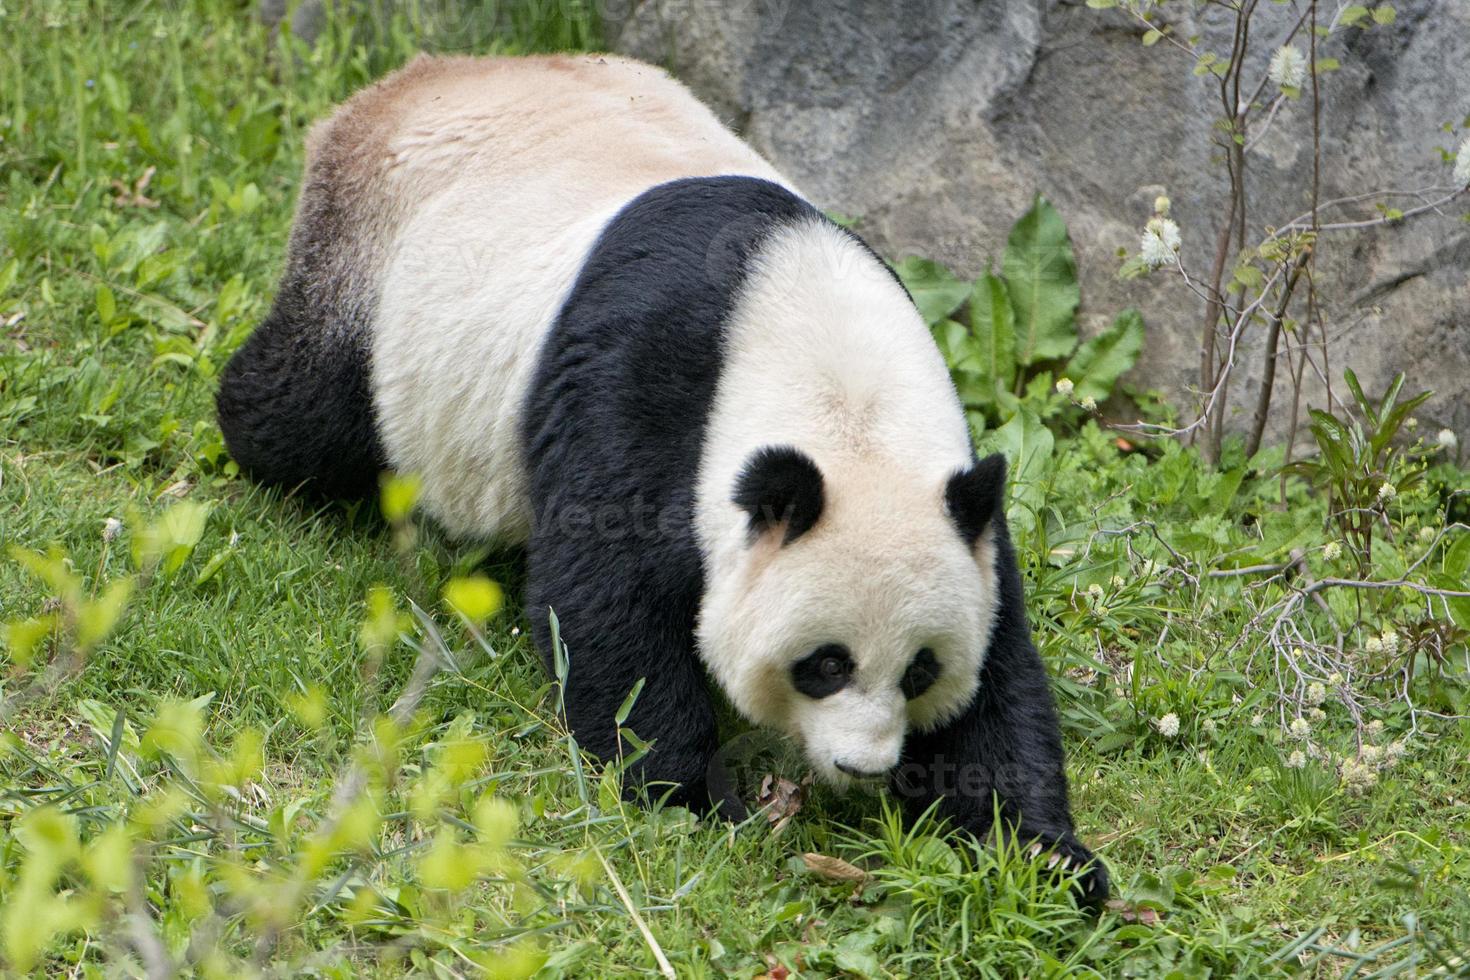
[1456, 578]
[1041, 279]
[106, 305]
[1364, 405]
[1027, 445]
[1388, 427]
[1099, 362]
[992, 323]
[936, 291]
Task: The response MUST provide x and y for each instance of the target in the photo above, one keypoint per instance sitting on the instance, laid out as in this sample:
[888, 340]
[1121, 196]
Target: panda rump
[596, 323]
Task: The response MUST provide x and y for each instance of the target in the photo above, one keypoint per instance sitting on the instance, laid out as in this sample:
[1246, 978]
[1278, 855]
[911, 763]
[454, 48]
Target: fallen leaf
[1128, 912]
[781, 799]
[833, 869]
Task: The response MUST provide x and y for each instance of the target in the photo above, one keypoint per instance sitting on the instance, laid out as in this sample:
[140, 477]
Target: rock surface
[935, 121]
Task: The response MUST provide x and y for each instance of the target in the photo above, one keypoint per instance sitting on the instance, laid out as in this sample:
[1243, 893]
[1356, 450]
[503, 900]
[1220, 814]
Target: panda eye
[823, 672]
[921, 674]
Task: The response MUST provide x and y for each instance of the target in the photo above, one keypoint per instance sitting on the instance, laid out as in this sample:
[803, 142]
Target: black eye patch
[823, 672]
[921, 675]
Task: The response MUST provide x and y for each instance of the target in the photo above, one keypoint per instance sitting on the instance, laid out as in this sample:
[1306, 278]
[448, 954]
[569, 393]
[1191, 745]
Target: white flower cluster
[1331, 551]
[1385, 642]
[1168, 725]
[1288, 67]
[1358, 776]
[1159, 245]
[1387, 492]
[1300, 728]
[1446, 438]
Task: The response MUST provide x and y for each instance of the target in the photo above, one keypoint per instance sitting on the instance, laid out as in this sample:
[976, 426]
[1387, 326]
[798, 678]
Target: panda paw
[1068, 852]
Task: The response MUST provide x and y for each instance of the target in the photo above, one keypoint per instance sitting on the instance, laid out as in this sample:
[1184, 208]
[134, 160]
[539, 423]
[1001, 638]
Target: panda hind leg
[295, 403]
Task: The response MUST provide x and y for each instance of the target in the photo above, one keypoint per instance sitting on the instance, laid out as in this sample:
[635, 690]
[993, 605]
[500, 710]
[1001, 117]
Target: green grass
[120, 298]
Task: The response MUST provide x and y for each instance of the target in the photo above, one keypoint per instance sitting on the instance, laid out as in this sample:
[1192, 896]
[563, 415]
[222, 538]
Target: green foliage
[217, 745]
[1001, 333]
[1359, 463]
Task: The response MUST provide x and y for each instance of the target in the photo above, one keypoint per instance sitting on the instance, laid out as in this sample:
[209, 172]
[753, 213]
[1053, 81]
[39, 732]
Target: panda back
[498, 176]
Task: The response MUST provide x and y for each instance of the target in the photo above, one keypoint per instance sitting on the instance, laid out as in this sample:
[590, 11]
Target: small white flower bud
[1064, 387]
[1088, 403]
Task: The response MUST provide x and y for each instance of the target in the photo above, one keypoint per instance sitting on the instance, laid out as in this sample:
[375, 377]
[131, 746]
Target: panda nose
[852, 770]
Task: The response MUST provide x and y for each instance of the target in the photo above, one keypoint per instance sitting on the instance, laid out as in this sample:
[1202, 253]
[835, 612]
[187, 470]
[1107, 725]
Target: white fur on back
[513, 166]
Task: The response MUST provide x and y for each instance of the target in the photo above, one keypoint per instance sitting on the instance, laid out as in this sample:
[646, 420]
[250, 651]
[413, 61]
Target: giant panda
[596, 323]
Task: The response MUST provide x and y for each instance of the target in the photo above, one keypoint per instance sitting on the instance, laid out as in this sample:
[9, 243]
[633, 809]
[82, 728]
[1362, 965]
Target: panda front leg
[626, 615]
[1004, 752]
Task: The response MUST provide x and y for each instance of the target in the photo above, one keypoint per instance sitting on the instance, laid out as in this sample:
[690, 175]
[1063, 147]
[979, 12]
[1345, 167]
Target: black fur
[1005, 749]
[780, 485]
[614, 429]
[974, 494]
[295, 401]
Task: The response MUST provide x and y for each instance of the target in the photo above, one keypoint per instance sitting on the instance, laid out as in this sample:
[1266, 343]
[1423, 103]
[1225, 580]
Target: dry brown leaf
[781, 799]
[1128, 912]
[833, 869]
[126, 196]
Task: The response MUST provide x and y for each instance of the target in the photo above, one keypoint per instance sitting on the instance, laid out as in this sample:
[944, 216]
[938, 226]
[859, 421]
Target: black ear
[974, 494]
[780, 485]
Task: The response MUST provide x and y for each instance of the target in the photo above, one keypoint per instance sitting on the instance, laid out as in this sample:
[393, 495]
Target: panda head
[859, 605]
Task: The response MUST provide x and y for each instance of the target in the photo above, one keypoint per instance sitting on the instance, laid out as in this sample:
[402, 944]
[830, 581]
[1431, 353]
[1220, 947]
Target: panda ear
[780, 485]
[974, 495]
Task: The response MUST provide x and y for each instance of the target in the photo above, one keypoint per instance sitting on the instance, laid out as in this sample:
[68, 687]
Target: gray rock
[936, 120]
